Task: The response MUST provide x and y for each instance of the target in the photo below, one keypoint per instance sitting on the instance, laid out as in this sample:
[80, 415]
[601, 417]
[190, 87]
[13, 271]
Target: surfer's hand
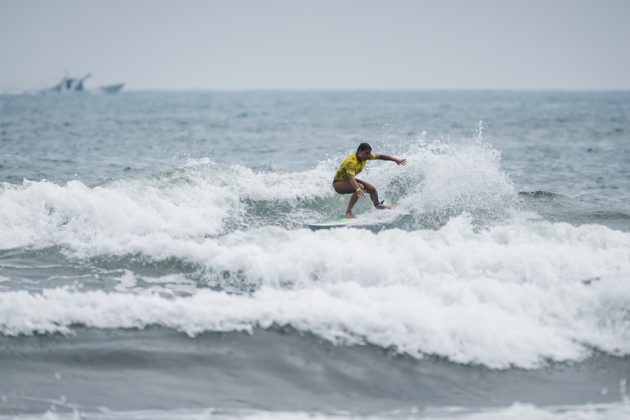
[400, 162]
[360, 193]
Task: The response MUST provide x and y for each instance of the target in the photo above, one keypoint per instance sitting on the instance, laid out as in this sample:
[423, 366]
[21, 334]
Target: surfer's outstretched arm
[393, 159]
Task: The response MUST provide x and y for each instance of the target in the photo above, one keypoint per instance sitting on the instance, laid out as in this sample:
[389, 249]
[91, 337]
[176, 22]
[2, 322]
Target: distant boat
[112, 88]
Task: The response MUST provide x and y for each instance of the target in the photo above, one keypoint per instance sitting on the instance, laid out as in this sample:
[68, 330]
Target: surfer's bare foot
[385, 206]
[350, 215]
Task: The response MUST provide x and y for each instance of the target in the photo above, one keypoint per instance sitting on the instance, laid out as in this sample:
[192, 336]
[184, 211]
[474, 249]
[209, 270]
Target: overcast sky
[318, 44]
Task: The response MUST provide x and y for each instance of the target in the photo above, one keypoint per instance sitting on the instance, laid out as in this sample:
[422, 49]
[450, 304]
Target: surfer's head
[364, 147]
[363, 151]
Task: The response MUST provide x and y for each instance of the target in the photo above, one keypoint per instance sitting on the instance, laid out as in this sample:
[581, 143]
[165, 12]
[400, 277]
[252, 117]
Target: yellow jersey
[351, 166]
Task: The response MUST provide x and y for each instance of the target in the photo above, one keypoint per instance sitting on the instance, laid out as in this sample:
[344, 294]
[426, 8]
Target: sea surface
[156, 263]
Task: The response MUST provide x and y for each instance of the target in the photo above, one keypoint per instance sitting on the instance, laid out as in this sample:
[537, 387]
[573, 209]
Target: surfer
[346, 183]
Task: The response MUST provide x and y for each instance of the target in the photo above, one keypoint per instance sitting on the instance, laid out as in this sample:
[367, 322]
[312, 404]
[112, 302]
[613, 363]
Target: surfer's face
[363, 154]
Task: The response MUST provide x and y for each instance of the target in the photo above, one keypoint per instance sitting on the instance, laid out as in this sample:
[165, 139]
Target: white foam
[203, 198]
[194, 201]
[42, 213]
[510, 295]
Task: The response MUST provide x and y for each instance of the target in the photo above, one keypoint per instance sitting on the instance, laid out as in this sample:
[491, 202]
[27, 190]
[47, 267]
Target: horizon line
[5, 90]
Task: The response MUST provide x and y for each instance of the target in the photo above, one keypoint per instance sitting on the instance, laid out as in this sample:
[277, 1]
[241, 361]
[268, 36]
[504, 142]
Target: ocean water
[155, 259]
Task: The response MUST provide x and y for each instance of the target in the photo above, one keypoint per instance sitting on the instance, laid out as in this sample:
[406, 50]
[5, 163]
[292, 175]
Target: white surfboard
[339, 221]
[365, 220]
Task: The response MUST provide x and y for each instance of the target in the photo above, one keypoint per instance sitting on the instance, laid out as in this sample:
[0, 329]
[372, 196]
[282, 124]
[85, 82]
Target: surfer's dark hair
[364, 146]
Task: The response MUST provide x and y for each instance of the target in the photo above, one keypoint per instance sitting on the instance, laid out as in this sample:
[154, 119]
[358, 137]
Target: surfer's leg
[345, 187]
[370, 189]
[353, 200]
